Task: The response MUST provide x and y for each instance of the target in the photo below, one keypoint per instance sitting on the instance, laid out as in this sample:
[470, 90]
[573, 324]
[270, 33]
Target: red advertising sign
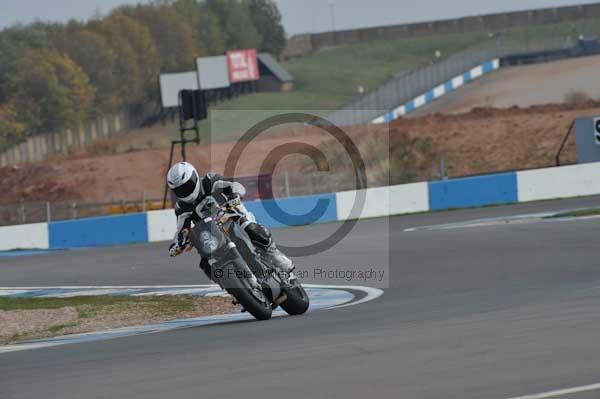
[243, 65]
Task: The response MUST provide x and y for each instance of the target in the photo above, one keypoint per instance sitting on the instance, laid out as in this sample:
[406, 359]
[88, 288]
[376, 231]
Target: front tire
[297, 302]
[242, 291]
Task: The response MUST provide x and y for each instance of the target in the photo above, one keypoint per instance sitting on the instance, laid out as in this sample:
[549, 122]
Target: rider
[190, 189]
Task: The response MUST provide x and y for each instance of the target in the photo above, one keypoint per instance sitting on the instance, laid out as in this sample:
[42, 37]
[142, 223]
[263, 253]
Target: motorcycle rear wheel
[297, 302]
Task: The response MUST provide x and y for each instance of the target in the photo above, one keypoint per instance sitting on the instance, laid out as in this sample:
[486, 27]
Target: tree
[13, 44]
[93, 54]
[208, 36]
[267, 20]
[11, 130]
[172, 34]
[235, 21]
[49, 91]
[137, 63]
[211, 36]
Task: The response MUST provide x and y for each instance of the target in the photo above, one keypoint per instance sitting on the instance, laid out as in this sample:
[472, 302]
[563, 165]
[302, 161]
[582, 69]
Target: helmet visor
[187, 188]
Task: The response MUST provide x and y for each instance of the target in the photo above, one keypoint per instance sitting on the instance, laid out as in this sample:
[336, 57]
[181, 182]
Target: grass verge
[34, 318]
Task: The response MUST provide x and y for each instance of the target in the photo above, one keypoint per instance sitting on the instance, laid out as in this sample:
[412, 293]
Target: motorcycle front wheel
[251, 299]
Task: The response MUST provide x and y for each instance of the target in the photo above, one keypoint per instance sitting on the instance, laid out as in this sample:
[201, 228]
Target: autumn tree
[14, 42]
[172, 35]
[267, 20]
[137, 63]
[208, 35]
[49, 91]
[235, 21]
[11, 129]
[54, 75]
[92, 53]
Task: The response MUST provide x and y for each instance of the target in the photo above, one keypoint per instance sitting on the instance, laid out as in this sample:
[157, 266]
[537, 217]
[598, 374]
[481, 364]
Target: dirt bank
[479, 141]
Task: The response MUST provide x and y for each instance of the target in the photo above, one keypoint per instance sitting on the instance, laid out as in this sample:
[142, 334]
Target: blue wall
[111, 230]
[295, 211]
[473, 191]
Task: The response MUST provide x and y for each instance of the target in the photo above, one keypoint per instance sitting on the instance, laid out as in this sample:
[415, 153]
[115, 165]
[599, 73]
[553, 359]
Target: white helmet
[184, 181]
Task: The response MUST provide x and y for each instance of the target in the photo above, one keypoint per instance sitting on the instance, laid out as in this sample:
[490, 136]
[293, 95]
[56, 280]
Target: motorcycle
[239, 267]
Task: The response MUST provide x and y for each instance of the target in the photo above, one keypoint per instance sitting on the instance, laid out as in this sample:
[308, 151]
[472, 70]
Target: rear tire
[297, 302]
[241, 290]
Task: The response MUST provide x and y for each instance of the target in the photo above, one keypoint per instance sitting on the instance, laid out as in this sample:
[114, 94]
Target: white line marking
[372, 293]
[554, 394]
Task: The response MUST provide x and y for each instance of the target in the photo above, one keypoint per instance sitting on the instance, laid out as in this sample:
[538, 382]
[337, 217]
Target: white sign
[172, 83]
[597, 130]
[213, 72]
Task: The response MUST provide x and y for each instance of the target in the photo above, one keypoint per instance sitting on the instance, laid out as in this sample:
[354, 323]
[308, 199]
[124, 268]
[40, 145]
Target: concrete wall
[29, 236]
[100, 231]
[39, 148]
[473, 191]
[304, 44]
[541, 184]
[383, 201]
[563, 182]
[162, 225]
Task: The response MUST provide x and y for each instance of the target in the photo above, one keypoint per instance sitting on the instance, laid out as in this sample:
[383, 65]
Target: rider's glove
[233, 202]
[179, 245]
[175, 249]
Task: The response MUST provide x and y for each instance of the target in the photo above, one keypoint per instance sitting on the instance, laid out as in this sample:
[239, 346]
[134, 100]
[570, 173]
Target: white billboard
[172, 83]
[213, 72]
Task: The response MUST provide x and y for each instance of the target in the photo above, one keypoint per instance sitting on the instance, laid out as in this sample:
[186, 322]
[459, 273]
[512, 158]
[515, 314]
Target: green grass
[330, 77]
[88, 306]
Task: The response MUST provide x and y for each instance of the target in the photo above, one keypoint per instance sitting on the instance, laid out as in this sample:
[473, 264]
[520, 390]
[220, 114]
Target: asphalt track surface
[484, 312]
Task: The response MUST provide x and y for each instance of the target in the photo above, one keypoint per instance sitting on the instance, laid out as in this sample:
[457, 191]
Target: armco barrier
[111, 230]
[473, 191]
[439, 91]
[504, 188]
[29, 236]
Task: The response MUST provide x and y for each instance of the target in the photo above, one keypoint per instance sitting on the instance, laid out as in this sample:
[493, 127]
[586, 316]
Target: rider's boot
[263, 241]
[278, 258]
